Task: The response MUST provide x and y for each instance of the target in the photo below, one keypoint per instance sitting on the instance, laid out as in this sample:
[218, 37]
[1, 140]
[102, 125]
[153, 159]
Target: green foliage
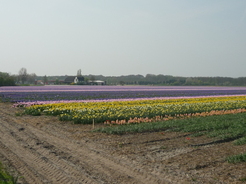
[65, 117]
[23, 84]
[134, 128]
[243, 179]
[45, 79]
[6, 79]
[168, 80]
[6, 178]
[230, 126]
[81, 83]
[236, 158]
[163, 80]
[223, 127]
[240, 141]
[33, 112]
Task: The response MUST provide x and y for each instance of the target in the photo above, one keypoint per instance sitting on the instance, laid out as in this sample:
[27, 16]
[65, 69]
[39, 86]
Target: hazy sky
[123, 37]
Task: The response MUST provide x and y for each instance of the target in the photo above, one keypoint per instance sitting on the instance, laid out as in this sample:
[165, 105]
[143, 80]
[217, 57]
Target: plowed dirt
[44, 150]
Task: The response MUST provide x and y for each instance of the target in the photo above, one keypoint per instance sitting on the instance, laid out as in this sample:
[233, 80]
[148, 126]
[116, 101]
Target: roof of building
[71, 78]
[80, 78]
[97, 81]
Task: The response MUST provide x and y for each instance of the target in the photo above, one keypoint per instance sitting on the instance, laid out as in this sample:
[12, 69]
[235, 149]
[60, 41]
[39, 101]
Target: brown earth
[44, 150]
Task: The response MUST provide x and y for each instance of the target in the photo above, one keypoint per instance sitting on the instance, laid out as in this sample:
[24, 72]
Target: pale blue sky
[123, 37]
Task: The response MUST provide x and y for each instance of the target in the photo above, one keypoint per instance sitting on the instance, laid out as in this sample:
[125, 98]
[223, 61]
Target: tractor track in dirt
[51, 157]
[44, 150]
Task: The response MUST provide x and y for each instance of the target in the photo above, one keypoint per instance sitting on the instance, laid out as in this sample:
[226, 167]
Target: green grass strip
[240, 141]
[237, 158]
[5, 177]
[230, 126]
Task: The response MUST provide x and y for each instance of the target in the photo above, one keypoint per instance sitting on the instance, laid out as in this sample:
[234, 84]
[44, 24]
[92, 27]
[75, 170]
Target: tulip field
[123, 104]
[151, 128]
[139, 112]
[135, 110]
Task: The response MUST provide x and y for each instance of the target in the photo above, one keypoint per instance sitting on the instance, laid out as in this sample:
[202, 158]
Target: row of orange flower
[178, 116]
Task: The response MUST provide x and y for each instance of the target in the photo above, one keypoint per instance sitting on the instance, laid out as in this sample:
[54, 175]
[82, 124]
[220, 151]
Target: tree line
[21, 78]
[24, 78]
[6, 79]
[168, 80]
[164, 80]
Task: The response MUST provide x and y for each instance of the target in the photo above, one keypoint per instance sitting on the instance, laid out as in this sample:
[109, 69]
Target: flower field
[127, 111]
[123, 104]
[48, 94]
[161, 127]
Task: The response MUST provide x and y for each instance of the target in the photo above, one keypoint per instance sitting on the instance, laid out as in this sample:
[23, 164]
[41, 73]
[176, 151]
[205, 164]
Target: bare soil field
[42, 149]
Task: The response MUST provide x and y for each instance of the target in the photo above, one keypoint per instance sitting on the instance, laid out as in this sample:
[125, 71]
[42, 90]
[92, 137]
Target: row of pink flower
[27, 104]
[50, 88]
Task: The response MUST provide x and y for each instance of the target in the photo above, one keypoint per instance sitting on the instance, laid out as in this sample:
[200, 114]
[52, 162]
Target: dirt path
[49, 156]
[44, 150]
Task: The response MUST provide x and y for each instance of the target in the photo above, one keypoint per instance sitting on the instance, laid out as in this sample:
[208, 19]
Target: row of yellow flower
[125, 110]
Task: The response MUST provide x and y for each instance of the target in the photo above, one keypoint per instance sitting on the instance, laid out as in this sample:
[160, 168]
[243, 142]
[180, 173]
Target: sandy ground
[44, 150]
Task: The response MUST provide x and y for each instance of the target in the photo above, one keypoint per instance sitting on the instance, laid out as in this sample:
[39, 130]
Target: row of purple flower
[58, 93]
[111, 88]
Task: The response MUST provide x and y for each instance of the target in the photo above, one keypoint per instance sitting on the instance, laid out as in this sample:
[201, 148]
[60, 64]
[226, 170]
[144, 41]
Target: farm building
[74, 79]
[96, 82]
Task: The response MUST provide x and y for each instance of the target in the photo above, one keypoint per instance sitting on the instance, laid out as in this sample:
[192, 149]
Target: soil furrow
[103, 165]
[59, 160]
[39, 164]
[45, 150]
[48, 164]
[30, 175]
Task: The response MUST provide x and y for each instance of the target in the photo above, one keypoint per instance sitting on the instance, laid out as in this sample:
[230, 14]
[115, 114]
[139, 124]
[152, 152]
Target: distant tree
[86, 79]
[92, 78]
[57, 81]
[122, 83]
[23, 75]
[45, 79]
[6, 79]
[79, 73]
[32, 78]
